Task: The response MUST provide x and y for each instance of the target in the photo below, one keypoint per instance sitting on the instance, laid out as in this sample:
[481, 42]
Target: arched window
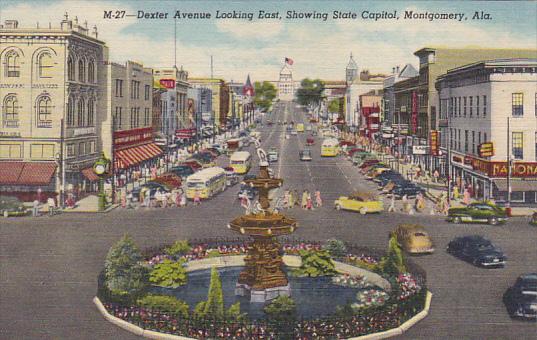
[12, 64]
[70, 68]
[80, 118]
[91, 71]
[91, 112]
[11, 111]
[81, 71]
[70, 112]
[44, 65]
[44, 111]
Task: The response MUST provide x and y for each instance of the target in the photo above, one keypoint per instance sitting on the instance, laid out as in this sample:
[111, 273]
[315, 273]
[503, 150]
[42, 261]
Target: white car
[294, 133]
[305, 155]
[272, 156]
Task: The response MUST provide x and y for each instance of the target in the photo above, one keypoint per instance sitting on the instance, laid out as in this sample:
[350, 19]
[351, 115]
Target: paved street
[49, 266]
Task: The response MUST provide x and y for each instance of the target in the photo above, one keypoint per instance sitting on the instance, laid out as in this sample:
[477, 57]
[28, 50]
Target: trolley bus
[330, 147]
[206, 183]
[240, 161]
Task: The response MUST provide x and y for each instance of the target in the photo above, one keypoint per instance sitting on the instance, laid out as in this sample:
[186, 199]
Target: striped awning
[27, 173]
[135, 155]
[90, 174]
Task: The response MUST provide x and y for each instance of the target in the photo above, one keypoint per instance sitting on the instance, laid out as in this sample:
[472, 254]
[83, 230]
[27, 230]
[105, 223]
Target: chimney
[11, 24]
[397, 69]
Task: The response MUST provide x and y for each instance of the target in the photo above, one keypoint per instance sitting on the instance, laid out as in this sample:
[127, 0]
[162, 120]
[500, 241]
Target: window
[479, 138]
[536, 146]
[80, 118]
[485, 137]
[465, 141]
[12, 63]
[135, 89]
[81, 71]
[10, 151]
[518, 104]
[451, 107]
[460, 111]
[459, 140]
[91, 72]
[11, 111]
[473, 142]
[70, 68]
[464, 106]
[484, 106]
[146, 117]
[44, 65]
[518, 145]
[42, 151]
[44, 112]
[71, 112]
[451, 138]
[471, 106]
[91, 112]
[70, 150]
[119, 88]
[81, 148]
[147, 92]
[117, 118]
[477, 105]
[91, 147]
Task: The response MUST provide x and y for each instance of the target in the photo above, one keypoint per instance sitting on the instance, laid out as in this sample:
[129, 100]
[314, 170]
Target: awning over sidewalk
[26, 173]
[90, 174]
[516, 184]
[137, 154]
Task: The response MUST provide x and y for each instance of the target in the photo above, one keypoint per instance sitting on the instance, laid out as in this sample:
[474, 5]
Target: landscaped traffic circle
[187, 289]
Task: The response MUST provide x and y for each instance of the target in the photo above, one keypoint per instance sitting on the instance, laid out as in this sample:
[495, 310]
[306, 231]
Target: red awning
[90, 174]
[26, 173]
[137, 154]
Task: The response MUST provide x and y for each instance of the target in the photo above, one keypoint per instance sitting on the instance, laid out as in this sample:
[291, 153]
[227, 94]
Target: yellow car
[362, 202]
[414, 239]
[373, 173]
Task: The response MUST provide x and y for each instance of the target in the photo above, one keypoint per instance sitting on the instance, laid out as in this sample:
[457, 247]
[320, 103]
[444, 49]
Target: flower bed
[374, 311]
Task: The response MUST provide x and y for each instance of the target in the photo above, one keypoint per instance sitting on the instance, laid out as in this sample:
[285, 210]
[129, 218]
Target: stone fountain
[263, 277]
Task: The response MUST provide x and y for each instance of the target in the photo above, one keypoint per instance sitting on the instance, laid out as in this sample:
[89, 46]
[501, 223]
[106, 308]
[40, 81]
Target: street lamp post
[101, 168]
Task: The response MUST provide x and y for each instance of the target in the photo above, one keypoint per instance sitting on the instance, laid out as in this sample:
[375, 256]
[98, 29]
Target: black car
[204, 157]
[248, 191]
[521, 299]
[409, 189]
[182, 170]
[387, 175]
[396, 180]
[249, 176]
[477, 250]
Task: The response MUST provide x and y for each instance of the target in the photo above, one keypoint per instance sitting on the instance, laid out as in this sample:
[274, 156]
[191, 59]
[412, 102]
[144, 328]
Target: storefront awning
[128, 157]
[26, 173]
[90, 174]
[516, 184]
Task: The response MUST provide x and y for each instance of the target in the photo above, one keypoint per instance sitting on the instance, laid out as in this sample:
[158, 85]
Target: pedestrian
[141, 198]
[158, 198]
[446, 207]
[295, 198]
[183, 199]
[292, 199]
[466, 196]
[197, 198]
[130, 201]
[124, 198]
[147, 198]
[391, 208]
[436, 174]
[286, 204]
[51, 206]
[35, 208]
[177, 198]
[456, 192]
[318, 200]
[309, 202]
[406, 205]
[304, 199]
[164, 199]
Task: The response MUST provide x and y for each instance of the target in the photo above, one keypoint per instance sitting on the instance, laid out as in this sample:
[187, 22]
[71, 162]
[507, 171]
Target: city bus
[207, 183]
[330, 147]
[300, 127]
[240, 161]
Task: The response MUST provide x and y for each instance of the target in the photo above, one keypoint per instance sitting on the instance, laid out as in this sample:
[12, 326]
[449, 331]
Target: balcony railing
[44, 123]
[13, 74]
[10, 124]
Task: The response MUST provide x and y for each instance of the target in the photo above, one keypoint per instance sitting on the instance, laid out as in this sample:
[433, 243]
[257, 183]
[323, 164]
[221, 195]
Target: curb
[107, 210]
[162, 336]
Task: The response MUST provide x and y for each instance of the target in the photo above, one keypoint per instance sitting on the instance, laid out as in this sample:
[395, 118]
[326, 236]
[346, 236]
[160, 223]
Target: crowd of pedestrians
[306, 200]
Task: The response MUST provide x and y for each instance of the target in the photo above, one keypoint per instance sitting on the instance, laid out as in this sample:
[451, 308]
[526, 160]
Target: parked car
[310, 141]
[407, 188]
[182, 171]
[368, 163]
[478, 212]
[396, 178]
[150, 187]
[305, 155]
[12, 206]
[205, 160]
[193, 163]
[521, 299]
[477, 250]
[218, 147]
[347, 143]
[214, 152]
[231, 177]
[386, 174]
[293, 132]
[359, 201]
[248, 191]
[414, 239]
[352, 150]
[169, 180]
[375, 172]
[272, 155]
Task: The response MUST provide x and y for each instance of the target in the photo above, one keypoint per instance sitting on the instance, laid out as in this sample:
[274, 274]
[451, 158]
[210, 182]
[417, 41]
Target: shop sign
[486, 149]
[10, 134]
[468, 160]
[414, 112]
[420, 149]
[522, 169]
[456, 159]
[132, 137]
[387, 135]
[185, 133]
[434, 142]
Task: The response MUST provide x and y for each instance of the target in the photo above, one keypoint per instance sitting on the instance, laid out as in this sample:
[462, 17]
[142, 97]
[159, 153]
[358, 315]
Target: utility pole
[508, 204]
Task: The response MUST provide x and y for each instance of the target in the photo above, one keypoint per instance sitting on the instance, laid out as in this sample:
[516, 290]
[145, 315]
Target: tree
[234, 312]
[169, 274]
[178, 248]
[165, 303]
[333, 106]
[315, 263]
[215, 298]
[393, 263]
[123, 272]
[336, 248]
[264, 95]
[310, 92]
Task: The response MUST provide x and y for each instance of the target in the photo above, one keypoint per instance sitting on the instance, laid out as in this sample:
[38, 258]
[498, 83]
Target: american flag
[289, 61]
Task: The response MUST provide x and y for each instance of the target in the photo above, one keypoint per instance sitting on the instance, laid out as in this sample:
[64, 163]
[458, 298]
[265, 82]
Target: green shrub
[214, 307]
[393, 263]
[199, 310]
[234, 312]
[213, 253]
[315, 263]
[336, 248]
[165, 303]
[281, 308]
[123, 271]
[178, 248]
[169, 274]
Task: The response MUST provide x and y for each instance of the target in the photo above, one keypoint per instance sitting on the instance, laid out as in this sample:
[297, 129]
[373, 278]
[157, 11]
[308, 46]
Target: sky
[319, 48]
